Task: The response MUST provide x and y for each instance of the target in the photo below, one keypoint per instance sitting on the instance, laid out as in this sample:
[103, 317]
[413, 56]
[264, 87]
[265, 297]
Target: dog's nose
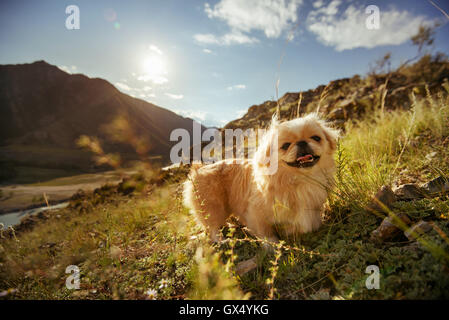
[302, 144]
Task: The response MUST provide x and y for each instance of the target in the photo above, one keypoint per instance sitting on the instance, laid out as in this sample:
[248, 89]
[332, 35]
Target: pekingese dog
[291, 196]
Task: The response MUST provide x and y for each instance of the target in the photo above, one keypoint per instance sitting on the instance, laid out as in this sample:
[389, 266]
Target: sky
[212, 60]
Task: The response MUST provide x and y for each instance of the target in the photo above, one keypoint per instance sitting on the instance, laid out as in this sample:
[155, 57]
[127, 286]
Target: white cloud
[147, 95]
[174, 96]
[270, 16]
[193, 114]
[348, 30]
[142, 92]
[70, 70]
[207, 51]
[123, 86]
[205, 118]
[241, 113]
[206, 38]
[318, 3]
[156, 79]
[155, 49]
[225, 40]
[237, 86]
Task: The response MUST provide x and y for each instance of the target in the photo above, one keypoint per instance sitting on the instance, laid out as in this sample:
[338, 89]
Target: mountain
[44, 110]
[344, 99]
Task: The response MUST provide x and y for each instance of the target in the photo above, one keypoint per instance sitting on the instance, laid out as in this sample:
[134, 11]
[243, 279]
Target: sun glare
[154, 69]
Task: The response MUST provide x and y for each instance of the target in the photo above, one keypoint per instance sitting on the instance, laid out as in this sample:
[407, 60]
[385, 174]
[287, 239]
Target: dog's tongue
[306, 158]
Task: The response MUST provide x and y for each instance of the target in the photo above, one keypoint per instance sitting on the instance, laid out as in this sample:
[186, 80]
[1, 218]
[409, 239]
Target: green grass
[125, 245]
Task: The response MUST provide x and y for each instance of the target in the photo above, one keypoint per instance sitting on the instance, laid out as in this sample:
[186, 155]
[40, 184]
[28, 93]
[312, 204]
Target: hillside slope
[349, 98]
[44, 109]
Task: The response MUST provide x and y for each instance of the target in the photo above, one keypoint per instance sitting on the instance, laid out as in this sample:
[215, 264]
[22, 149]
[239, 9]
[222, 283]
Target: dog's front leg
[260, 226]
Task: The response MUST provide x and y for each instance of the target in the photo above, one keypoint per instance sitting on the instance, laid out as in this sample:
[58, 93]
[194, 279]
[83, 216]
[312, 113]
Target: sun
[154, 69]
[155, 65]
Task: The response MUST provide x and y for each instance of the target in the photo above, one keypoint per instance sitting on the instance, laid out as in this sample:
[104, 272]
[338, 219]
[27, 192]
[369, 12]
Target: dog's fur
[292, 197]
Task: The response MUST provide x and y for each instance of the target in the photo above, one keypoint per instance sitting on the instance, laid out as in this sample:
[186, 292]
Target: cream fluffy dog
[292, 197]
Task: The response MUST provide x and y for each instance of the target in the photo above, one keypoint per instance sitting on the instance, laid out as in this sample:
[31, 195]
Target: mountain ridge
[44, 107]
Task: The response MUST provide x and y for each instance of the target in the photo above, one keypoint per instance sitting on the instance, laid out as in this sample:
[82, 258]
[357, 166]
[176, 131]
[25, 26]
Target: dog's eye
[285, 146]
[316, 138]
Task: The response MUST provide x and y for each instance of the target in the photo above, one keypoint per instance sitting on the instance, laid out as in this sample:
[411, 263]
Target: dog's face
[302, 144]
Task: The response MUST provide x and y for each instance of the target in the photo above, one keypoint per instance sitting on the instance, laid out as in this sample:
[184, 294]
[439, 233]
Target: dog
[292, 197]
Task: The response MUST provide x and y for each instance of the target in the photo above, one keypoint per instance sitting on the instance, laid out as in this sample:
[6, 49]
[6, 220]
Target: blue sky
[211, 60]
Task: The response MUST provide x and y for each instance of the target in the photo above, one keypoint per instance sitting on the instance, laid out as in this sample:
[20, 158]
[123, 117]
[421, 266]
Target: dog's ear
[331, 135]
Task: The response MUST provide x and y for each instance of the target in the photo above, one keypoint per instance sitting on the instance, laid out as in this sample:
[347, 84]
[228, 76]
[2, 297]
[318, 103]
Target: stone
[389, 227]
[409, 191]
[435, 186]
[385, 197]
[246, 266]
[418, 229]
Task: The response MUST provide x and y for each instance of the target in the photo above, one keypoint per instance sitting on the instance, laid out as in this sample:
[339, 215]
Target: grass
[126, 245]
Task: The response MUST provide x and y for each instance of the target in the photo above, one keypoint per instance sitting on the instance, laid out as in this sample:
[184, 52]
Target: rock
[388, 229]
[409, 191]
[418, 229]
[385, 197]
[246, 266]
[415, 247]
[435, 186]
[289, 97]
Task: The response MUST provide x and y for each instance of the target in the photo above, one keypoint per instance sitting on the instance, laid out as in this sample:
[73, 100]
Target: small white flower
[163, 283]
[151, 294]
[7, 292]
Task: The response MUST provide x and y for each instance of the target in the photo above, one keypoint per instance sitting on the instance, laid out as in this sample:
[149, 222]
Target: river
[13, 218]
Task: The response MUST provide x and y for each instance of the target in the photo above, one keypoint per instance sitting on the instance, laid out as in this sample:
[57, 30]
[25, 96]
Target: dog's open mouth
[305, 161]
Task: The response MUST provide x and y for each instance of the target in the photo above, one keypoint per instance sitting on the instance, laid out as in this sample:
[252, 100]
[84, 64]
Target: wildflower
[7, 292]
[163, 283]
[151, 294]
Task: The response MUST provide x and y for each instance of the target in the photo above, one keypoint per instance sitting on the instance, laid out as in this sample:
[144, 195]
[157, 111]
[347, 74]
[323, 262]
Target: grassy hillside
[350, 98]
[138, 241]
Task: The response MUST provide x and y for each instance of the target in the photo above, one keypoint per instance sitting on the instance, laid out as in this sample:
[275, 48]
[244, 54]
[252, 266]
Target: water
[13, 218]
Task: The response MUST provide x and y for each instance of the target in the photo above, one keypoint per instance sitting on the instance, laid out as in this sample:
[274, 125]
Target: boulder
[435, 186]
[417, 230]
[409, 191]
[385, 197]
[246, 266]
[390, 227]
